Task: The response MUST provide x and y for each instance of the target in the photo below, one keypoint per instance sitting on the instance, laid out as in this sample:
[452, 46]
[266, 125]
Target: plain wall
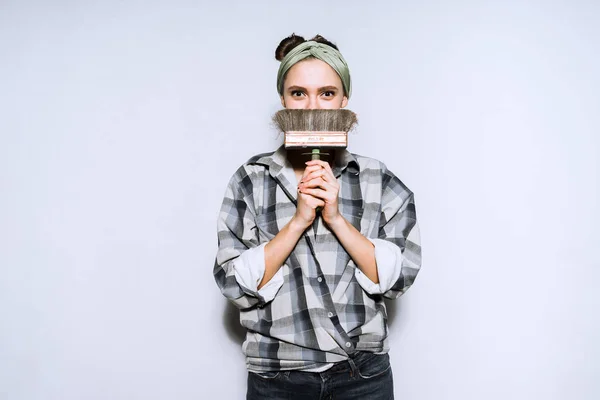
[122, 121]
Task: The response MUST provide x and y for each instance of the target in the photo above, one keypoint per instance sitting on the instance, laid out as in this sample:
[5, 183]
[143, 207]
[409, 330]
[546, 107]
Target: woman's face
[313, 84]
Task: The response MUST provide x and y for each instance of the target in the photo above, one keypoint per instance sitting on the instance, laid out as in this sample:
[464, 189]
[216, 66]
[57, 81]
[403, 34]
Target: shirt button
[348, 344]
[320, 279]
[330, 314]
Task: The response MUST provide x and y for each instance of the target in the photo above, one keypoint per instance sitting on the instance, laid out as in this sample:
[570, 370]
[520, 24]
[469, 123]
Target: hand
[307, 204]
[319, 182]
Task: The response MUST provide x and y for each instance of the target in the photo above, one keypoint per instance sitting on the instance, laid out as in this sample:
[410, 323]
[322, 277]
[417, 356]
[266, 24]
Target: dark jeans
[364, 376]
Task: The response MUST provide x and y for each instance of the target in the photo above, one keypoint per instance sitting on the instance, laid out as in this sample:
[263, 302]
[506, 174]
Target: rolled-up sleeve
[249, 269]
[389, 266]
[398, 245]
[239, 264]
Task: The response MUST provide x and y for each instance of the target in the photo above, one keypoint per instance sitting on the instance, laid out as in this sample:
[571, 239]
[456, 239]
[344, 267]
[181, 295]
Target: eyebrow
[320, 89]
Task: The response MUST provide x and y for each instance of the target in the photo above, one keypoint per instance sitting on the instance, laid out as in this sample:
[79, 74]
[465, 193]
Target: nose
[312, 103]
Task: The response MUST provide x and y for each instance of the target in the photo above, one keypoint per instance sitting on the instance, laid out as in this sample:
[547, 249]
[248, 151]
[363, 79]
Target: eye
[329, 93]
[297, 93]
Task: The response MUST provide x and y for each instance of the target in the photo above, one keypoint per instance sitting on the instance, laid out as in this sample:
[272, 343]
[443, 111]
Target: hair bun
[321, 39]
[287, 44]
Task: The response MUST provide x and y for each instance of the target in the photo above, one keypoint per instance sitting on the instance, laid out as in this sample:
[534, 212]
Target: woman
[310, 285]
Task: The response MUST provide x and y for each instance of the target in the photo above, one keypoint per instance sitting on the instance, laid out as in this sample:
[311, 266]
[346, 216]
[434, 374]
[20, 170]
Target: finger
[318, 183]
[324, 182]
[317, 162]
[321, 194]
[329, 171]
[314, 167]
[320, 173]
[311, 201]
[310, 169]
[325, 166]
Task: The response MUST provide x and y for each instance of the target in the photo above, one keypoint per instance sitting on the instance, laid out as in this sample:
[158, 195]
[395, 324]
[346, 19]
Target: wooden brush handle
[315, 154]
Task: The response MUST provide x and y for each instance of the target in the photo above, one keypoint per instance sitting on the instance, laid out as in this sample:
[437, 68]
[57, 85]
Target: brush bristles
[315, 120]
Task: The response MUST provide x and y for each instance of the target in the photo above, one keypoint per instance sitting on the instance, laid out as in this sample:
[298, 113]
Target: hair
[287, 44]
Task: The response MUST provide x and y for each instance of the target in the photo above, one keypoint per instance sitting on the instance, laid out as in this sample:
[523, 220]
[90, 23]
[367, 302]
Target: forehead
[312, 72]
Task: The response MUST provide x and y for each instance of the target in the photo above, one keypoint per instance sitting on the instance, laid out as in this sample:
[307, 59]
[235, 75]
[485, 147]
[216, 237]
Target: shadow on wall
[237, 333]
[231, 322]
[393, 307]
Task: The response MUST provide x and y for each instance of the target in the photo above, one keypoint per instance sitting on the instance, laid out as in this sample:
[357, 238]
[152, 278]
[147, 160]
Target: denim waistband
[349, 364]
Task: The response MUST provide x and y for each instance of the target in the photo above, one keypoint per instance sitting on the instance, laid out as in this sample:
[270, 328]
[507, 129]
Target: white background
[122, 121]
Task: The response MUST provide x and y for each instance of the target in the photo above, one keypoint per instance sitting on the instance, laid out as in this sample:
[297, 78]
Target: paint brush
[315, 130]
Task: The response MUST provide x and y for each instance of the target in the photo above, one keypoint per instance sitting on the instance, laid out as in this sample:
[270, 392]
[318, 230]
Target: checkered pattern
[321, 313]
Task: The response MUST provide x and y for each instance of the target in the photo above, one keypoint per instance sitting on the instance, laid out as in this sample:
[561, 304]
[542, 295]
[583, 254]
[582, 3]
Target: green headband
[320, 51]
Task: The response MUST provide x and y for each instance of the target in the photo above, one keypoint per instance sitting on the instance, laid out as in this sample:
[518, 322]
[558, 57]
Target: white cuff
[388, 257]
[249, 269]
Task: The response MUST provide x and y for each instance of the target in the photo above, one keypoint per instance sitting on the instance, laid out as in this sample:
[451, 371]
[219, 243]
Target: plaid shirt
[319, 308]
